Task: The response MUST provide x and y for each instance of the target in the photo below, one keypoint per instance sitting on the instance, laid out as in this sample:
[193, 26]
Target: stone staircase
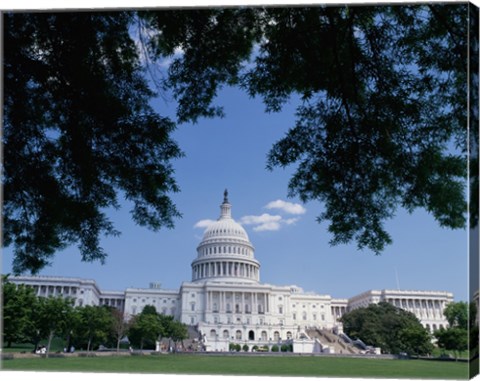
[332, 340]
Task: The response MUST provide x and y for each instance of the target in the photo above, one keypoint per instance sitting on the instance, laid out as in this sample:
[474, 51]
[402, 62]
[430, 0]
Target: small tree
[416, 339]
[245, 347]
[275, 348]
[453, 338]
[178, 332]
[238, 347]
[96, 323]
[19, 304]
[120, 326]
[457, 314]
[53, 317]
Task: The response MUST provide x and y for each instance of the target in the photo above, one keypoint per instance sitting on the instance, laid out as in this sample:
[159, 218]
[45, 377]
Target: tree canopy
[392, 329]
[383, 120]
[78, 129]
[382, 123]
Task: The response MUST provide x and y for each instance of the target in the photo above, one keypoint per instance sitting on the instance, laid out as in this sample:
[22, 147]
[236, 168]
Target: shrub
[238, 347]
[231, 347]
[255, 348]
[274, 348]
[245, 347]
[284, 348]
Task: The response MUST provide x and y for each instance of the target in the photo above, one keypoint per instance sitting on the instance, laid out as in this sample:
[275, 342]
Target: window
[193, 306]
[314, 316]
[213, 333]
[238, 335]
[304, 316]
[280, 309]
[225, 334]
[192, 320]
[294, 316]
[276, 336]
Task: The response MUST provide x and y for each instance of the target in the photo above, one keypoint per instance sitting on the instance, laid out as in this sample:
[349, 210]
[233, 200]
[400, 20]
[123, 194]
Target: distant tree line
[28, 318]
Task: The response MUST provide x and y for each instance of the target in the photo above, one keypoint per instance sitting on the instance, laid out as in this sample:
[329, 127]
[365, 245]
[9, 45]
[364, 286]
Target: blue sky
[292, 247]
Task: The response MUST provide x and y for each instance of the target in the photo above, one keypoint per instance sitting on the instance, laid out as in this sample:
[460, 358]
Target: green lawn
[248, 365]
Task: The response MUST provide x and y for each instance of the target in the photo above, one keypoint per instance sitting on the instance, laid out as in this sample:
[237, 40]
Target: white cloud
[203, 224]
[263, 219]
[264, 222]
[291, 221]
[267, 222]
[267, 226]
[287, 207]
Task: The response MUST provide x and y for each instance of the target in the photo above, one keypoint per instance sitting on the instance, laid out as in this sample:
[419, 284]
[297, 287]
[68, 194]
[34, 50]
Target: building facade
[227, 302]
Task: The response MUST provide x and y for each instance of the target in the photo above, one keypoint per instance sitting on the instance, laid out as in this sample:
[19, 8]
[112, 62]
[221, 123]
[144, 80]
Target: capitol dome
[225, 251]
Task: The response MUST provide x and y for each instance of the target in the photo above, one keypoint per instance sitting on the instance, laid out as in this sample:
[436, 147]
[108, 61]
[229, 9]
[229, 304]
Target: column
[242, 309]
[254, 303]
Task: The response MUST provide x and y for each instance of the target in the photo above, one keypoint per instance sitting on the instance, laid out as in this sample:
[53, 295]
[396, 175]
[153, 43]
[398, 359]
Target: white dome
[225, 251]
[225, 228]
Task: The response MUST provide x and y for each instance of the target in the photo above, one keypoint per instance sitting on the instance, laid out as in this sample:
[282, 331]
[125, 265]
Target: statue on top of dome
[225, 197]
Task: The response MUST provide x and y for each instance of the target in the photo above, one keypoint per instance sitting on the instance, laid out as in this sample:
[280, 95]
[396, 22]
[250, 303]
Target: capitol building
[227, 302]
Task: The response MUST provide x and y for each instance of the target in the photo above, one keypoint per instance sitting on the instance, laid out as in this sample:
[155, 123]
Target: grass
[303, 366]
